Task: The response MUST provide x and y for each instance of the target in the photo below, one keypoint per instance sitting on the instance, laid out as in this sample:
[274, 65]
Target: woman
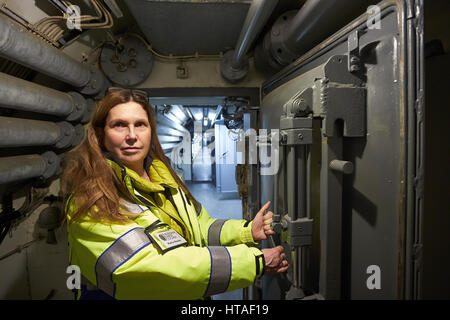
[135, 230]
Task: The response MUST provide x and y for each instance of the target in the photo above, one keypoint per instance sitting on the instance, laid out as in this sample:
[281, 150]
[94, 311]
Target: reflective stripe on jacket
[146, 259]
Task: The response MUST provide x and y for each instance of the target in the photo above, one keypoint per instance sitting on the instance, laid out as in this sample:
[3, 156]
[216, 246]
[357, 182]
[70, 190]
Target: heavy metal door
[348, 196]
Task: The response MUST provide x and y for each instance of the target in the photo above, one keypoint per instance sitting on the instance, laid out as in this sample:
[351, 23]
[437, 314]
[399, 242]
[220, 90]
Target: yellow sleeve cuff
[259, 261]
[246, 235]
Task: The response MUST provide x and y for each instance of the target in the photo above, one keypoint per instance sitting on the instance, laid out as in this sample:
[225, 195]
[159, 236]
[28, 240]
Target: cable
[53, 27]
[4, 231]
[19, 248]
[172, 57]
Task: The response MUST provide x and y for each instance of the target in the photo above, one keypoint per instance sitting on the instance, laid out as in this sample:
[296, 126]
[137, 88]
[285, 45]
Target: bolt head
[132, 52]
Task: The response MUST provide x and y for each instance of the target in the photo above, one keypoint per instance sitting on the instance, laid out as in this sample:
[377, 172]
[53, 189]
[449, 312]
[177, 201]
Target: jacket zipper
[170, 197]
[198, 224]
[185, 209]
[148, 203]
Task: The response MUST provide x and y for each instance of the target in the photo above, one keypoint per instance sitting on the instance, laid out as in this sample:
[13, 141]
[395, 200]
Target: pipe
[301, 158]
[22, 47]
[308, 181]
[90, 107]
[295, 33]
[28, 166]
[311, 24]
[291, 183]
[257, 16]
[296, 174]
[23, 95]
[302, 202]
[24, 132]
[234, 65]
[61, 6]
[345, 167]
[292, 207]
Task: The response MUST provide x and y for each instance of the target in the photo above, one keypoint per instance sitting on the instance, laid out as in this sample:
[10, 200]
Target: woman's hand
[261, 224]
[275, 260]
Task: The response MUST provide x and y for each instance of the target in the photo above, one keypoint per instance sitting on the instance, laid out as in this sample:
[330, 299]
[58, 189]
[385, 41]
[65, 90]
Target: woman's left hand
[261, 224]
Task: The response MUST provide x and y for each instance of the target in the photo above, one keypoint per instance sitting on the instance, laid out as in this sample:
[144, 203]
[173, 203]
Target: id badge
[166, 239]
[170, 239]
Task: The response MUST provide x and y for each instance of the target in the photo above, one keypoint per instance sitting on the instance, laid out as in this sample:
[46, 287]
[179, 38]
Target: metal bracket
[337, 94]
[182, 71]
[295, 129]
[298, 232]
[295, 123]
[295, 137]
[299, 105]
[353, 52]
[347, 103]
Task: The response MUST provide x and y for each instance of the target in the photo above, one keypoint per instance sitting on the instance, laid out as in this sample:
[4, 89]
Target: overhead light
[198, 115]
[211, 115]
[205, 121]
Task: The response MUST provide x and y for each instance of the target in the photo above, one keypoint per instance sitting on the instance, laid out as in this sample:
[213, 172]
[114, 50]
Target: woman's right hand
[275, 260]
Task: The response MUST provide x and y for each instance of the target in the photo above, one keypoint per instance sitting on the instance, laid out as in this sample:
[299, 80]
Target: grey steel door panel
[379, 219]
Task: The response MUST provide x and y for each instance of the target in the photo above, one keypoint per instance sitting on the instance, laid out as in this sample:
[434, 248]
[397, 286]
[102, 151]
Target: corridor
[220, 205]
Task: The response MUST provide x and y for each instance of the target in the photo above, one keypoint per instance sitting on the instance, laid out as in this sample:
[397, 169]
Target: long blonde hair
[90, 179]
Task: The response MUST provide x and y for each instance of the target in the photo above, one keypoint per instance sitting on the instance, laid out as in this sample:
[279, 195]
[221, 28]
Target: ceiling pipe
[164, 121]
[24, 132]
[18, 168]
[23, 95]
[296, 32]
[22, 47]
[234, 65]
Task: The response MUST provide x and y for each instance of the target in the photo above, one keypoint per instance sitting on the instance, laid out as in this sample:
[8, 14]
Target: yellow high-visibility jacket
[169, 251]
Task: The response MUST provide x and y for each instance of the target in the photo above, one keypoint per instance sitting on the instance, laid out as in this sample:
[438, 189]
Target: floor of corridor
[220, 205]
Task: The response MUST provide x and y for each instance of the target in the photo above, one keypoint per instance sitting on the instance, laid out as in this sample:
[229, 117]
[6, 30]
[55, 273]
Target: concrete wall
[202, 73]
[38, 271]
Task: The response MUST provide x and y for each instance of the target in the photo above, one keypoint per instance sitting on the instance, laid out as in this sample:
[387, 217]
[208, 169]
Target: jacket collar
[159, 175]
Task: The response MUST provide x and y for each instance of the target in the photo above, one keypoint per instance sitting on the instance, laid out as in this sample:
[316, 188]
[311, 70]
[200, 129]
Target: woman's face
[128, 134]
